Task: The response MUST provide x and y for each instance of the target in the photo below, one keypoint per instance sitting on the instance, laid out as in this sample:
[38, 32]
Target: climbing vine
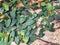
[18, 24]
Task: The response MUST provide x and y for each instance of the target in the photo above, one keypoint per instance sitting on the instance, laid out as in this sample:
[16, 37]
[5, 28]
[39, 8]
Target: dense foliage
[19, 25]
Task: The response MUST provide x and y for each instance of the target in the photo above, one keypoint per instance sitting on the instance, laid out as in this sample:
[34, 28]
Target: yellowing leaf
[2, 16]
[25, 39]
[6, 35]
[22, 32]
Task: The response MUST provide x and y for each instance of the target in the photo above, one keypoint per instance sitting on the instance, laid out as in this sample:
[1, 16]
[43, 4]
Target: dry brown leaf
[20, 4]
[2, 16]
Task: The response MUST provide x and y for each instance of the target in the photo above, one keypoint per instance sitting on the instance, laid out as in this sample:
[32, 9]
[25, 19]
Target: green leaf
[49, 6]
[1, 42]
[1, 20]
[18, 0]
[43, 4]
[2, 35]
[24, 26]
[12, 34]
[7, 22]
[19, 27]
[28, 28]
[1, 10]
[57, 17]
[13, 14]
[34, 5]
[13, 1]
[17, 39]
[41, 34]
[13, 22]
[32, 38]
[29, 22]
[10, 40]
[22, 19]
[13, 28]
[22, 32]
[32, 32]
[5, 41]
[6, 6]
[1, 26]
[25, 39]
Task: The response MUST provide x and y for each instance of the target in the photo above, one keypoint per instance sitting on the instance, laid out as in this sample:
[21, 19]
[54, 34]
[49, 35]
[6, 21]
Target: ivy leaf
[1, 10]
[1, 42]
[12, 34]
[13, 14]
[32, 38]
[41, 34]
[13, 1]
[19, 27]
[25, 39]
[1, 20]
[6, 6]
[28, 28]
[22, 19]
[7, 22]
[1, 35]
[49, 6]
[10, 40]
[17, 39]
[43, 4]
[5, 35]
[29, 22]
[24, 26]
[57, 17]
[18, 0]
[34, 6]
[13, 28]
[5, 41]
[13, 22]
[22, 32]
[1, 26]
